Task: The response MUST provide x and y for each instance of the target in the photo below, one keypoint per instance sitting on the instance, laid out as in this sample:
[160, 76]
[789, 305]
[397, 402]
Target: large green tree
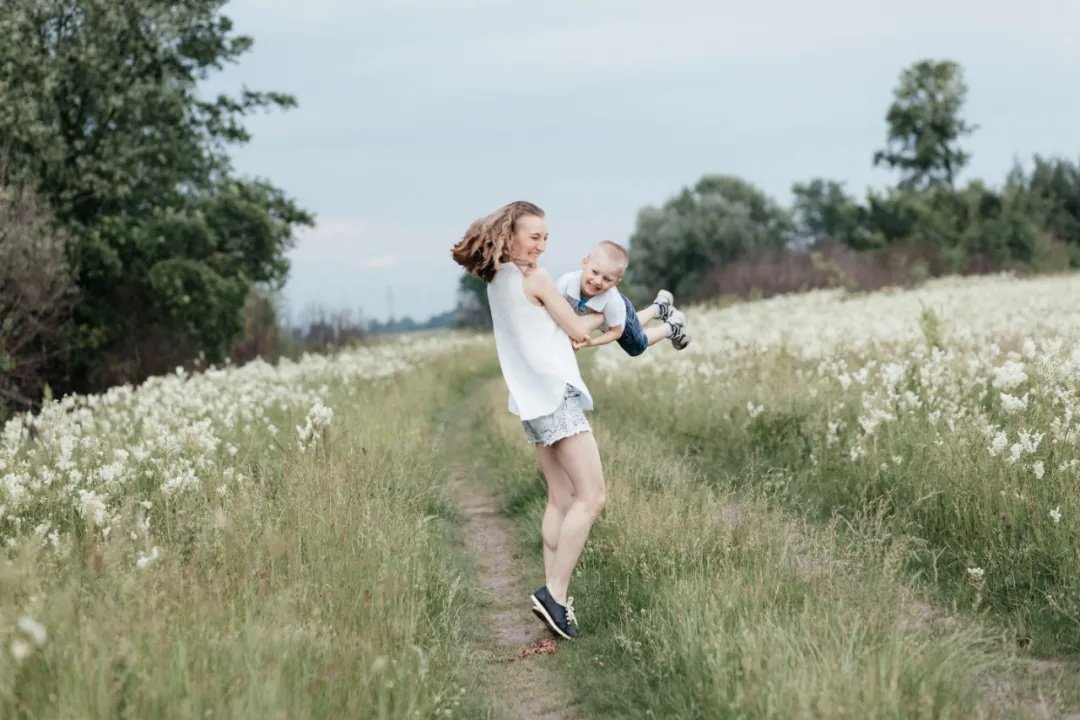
[925, 126]
[717, 221]
[101, 111]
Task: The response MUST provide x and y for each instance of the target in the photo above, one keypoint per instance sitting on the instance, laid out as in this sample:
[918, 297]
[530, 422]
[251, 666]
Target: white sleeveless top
[534, 353]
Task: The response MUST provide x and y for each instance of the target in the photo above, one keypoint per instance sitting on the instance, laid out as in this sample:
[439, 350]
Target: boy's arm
[539, 285]
[609, 335]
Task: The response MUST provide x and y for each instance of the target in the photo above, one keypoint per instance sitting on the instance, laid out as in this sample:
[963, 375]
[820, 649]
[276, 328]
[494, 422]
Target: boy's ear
[584, 261]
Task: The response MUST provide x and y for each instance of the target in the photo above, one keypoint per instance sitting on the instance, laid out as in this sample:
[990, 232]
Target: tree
[1051, 195]
[100, 111]
[37, 295]
[925, 125]
[473, 309]
[825, 214]
[721, 219]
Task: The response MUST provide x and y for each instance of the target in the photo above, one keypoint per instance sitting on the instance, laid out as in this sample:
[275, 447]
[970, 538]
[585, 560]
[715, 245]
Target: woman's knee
[595, 501]
[560, 502]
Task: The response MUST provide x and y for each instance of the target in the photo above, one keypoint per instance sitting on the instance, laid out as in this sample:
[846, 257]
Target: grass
[955, 506]
[742, 569]
[329, 585]
[701, 600]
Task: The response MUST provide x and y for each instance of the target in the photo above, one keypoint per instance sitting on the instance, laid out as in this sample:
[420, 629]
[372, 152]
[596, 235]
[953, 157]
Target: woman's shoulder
[537, 274]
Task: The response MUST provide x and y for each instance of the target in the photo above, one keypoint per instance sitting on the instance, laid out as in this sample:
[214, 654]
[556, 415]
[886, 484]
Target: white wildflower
[832, 429]
[1038, 469]
[92, 507]
[1012, 404]
[999, 443]
[20, 649]
[1009, 376]
[34, 629]
[180, 482]
[146, 558]
[976, 575]
[318, 418]
[1055, 514]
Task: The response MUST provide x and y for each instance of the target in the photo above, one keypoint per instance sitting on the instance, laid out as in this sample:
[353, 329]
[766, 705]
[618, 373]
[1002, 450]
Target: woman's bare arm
[539, 286]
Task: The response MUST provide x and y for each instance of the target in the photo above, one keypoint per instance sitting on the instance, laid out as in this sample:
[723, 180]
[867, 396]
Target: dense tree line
[104, 133]
[723, 236]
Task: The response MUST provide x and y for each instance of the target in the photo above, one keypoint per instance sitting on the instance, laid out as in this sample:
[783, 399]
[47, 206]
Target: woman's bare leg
[580, 460]
[560, 498]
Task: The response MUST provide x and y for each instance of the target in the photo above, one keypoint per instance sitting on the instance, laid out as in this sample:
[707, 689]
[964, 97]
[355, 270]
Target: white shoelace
[570, 618]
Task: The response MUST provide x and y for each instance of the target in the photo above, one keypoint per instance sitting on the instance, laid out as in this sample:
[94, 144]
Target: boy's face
[600, 272]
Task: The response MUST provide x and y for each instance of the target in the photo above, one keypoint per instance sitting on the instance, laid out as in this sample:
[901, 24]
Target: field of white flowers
[952, 409]
[101, 463]
[830, 505]
[151, 536]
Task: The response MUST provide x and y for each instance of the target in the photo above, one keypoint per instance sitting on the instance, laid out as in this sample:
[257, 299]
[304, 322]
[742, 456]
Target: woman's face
[529, 239]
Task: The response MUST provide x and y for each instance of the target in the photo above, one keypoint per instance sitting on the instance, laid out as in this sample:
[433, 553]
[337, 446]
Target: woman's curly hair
[486, 242]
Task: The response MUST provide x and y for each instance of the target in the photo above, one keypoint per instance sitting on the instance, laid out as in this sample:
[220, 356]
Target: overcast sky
[417, 116]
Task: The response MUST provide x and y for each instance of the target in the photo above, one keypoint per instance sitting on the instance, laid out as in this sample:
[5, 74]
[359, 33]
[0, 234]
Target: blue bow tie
[581, 303]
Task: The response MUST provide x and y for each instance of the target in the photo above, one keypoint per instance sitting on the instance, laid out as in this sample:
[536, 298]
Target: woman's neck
[521, 265]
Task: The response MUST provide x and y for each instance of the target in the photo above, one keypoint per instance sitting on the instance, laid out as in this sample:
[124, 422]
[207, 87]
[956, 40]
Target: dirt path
[523, 672]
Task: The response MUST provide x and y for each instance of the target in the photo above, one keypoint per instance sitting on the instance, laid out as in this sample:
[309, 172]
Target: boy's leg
[660, 307]
[657, 333]
[634, 340]
[647, 313]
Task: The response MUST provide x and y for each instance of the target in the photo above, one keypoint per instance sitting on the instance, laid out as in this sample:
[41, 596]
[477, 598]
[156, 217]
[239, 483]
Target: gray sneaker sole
[538, 608]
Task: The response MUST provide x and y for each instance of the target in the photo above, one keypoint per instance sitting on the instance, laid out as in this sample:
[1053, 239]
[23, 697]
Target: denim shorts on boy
[568, 419]
[633, 339]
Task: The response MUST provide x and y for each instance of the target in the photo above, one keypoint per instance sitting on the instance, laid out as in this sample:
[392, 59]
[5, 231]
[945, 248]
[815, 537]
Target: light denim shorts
[568, 419]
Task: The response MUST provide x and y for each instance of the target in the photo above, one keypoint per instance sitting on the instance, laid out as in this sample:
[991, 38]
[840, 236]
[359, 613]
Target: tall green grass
[697, 601]
[956, 507]
[327, 585]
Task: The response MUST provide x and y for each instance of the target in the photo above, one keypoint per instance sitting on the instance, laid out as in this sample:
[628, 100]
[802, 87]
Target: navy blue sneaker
[560, 618]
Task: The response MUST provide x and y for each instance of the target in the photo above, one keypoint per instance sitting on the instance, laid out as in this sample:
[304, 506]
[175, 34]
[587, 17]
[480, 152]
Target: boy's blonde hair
[485, 244]
[615, 251]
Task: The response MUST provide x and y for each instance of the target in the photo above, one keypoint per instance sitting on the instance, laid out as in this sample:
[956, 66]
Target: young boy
[592, 290]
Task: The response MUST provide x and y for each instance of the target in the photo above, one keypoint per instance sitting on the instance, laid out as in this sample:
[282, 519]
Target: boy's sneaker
[665, 304]
[680, 335]
[560, 618]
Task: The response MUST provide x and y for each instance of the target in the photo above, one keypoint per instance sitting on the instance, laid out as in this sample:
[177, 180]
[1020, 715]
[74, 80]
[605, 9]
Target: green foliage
[825, 214]
[930, 324]
[1050, 195]
[473, 309]
[100, 111]
[718, 221]
[925, 125]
